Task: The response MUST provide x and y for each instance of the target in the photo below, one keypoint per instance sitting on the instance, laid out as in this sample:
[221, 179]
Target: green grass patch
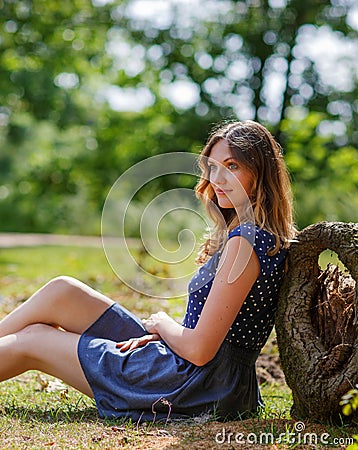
[23, 270]
[329, 256]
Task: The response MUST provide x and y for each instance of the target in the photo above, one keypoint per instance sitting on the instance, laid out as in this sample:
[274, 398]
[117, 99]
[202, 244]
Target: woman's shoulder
[251, 231]
[260, 238]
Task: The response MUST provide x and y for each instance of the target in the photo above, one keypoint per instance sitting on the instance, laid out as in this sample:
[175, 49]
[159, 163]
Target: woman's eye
[233, 166]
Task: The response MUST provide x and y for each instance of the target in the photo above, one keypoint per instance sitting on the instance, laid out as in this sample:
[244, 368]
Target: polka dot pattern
[255, 320]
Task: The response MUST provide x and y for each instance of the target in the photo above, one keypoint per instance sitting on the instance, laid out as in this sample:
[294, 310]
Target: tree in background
[89, 88]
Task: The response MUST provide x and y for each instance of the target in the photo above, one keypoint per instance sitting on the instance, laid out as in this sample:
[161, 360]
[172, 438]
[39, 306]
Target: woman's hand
[133, 343]
[153, 322]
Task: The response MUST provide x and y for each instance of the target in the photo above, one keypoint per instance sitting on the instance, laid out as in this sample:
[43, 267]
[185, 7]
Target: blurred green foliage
[325, 178]
[64, 140]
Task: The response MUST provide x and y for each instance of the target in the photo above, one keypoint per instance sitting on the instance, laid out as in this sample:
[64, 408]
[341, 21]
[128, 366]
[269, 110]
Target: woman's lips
[221, 192]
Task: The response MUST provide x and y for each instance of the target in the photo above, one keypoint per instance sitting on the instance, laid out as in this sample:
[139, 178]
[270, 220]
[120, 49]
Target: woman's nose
[218, 176]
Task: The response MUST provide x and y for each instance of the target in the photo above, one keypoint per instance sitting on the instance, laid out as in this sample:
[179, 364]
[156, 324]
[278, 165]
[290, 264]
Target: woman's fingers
[123, 345]
[133, 343]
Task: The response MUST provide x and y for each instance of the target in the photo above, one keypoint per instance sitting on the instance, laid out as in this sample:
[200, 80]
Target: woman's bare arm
[237, 272]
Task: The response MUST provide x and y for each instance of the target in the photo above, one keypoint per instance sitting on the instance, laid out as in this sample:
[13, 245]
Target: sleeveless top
[254, 322]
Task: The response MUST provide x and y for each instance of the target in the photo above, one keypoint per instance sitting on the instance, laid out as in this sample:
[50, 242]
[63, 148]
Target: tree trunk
[317, 321]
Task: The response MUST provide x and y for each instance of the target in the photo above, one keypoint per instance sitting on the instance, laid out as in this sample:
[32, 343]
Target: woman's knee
[24, 342]
[34, 329]
[29, 338]
[61, 287]
[63, 283]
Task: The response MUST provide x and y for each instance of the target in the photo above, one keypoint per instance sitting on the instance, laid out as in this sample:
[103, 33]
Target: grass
[37, 411]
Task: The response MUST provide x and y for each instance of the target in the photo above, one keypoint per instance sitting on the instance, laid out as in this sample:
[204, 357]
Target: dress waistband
[239, 354]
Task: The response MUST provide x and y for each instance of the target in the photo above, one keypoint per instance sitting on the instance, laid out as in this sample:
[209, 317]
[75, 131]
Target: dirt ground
[8, 240]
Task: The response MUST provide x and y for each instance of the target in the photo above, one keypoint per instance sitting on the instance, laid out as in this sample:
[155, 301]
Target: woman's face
[231, 181]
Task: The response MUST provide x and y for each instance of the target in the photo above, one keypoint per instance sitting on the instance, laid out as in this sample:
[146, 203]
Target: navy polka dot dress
[154, 383]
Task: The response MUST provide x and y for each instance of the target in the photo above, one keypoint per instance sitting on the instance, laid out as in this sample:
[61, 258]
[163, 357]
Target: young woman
[156, 367]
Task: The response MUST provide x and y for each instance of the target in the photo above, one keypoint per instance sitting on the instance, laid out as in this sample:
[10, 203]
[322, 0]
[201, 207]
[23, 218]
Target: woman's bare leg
[44, 348]
[63, 302]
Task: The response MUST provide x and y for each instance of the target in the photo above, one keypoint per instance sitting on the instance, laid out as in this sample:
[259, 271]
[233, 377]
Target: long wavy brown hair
[253, 146]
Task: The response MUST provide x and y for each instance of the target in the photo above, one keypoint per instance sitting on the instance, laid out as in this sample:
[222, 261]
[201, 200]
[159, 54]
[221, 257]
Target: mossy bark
[317, 321]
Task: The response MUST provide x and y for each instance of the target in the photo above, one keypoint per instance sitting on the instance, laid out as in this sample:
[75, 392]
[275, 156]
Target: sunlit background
[87, 89]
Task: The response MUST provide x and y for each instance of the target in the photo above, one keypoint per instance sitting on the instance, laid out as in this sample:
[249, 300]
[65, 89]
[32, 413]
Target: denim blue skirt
[154, 383]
